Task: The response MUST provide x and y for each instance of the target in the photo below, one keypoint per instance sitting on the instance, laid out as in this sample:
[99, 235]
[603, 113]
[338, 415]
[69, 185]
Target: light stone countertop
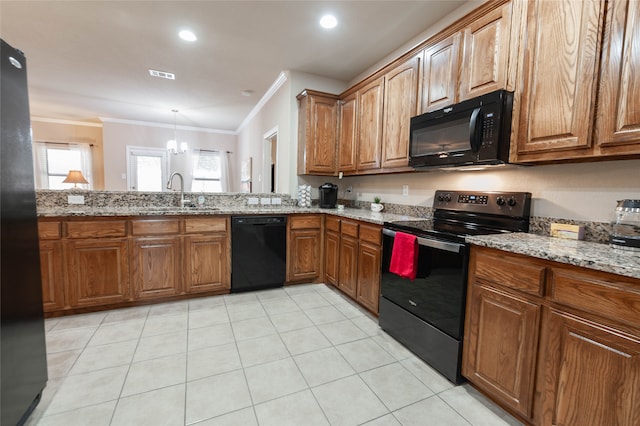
[596, 256]
[351, 213]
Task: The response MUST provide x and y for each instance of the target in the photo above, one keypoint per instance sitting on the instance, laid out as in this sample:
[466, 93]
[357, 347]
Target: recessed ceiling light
[246, 93]
[328, 22]
[187, 35]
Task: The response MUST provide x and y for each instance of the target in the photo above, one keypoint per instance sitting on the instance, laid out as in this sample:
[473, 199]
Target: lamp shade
[75, 177]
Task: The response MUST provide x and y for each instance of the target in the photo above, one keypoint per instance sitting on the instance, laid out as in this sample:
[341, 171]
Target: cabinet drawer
[332, 224]
[349, 228]
[155, 227]
[371, 234]
[97, 229]
[305, 222]
[49, 230]
[209, 224]
[511, 271]
[603, 294]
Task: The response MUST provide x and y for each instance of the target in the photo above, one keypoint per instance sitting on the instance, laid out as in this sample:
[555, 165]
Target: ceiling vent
[162, 74]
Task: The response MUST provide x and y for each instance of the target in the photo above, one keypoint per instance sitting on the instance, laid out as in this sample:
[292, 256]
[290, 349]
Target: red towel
[404, 256]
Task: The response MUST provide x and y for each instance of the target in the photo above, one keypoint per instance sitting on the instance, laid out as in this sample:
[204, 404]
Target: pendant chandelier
[172, 144]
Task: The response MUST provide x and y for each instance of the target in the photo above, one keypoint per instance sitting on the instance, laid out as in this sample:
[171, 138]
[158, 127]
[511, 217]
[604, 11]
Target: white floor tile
[293, 410]
[160, 346]
[212, 360]
[300, 288]
[309, 300]
[59, 363]
[395, 386]
[290, 321]
[95, 415]
[66, 340]
[165, 324]
[252, 328]
[387, 420]
[348, 401]
[155, 374]
[324, 315]
[126, 314]
[207, 317]
[216, 395]
[280, 305]
[117, 332]
[365, 354]
[92, 320]
[246, 311]
[322, 366]
[171, 308]
[239, 298]
[87, 389]
[244, 417]
[439, 414]
[304, 340]
[341, 332]
[205, 303]
[104, 356]
[427, 375]
[159, 407]
[214, 335]
[262, 350]
[368, 325]
[392, 346]
[475, 408]
[274, 379]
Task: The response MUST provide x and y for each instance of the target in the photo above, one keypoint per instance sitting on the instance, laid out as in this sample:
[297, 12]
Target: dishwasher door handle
[435, 244]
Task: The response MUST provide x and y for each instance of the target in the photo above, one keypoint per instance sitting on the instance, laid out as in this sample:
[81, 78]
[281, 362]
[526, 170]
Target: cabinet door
[331, 257]
[303, 262]
[206, 263]
[156, 266]
[97, 271]
[400, 104]
[592, 374]
[347, 276]
[560, 65]
[324, 119]
[618, 119]
[486, 54]
[369, 258]
[370, 103]
[501, 340]
[347, 134]
[51, 269]
[440, 74]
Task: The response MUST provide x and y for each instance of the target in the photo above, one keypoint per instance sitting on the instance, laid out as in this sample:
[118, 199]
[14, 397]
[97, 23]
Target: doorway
[270, 155]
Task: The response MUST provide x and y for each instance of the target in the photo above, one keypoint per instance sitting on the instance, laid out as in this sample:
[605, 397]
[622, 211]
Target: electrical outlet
[349, 188]
[265, 201]
[253, 201]
[405, 190]
[75, 199]
[276, 201]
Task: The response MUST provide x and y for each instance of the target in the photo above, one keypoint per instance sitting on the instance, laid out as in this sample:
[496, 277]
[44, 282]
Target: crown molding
[165, 126]
[282, 78]
[70, 122]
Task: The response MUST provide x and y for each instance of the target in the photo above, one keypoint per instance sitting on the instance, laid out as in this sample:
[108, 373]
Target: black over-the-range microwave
[473, 132]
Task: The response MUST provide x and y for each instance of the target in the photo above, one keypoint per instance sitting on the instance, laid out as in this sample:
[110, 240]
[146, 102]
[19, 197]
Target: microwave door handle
[475, 130]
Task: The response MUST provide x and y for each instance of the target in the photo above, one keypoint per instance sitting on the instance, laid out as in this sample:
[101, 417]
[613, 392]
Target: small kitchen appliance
[328, 195]
[625, 228]
[426, 314]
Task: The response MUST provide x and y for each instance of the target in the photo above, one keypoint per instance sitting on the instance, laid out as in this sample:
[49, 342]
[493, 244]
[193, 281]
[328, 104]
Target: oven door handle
[436, 244]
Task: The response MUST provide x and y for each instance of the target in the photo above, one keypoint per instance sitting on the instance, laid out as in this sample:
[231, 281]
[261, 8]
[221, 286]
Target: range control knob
[512, 202]
[447, 198]
[500, 201]
[440, 197]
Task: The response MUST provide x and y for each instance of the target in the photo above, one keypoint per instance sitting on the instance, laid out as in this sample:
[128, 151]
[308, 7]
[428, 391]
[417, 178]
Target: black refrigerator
[23, 370]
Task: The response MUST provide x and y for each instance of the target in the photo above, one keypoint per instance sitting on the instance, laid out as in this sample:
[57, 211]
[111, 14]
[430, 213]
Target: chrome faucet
[182, 200]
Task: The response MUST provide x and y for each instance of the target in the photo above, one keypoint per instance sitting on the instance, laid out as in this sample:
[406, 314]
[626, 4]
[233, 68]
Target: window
[209, 172]
[147, 169]
[52, 162]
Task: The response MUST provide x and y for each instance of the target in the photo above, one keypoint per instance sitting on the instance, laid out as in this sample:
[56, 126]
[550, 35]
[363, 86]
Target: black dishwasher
[258, 252]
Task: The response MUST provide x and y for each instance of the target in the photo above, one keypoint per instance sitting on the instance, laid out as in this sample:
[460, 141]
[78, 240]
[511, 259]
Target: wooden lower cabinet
[304, 248]
[348, 273]
[500, 350]
[369, 263]
[331, 250]
[156, 266]
[568, 354]
[97, 271]
[592, 373]
[51, 269]
[206, 263]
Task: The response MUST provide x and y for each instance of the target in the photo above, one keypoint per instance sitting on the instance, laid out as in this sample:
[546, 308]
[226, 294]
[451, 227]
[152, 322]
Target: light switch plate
[405, 190]
[276, 201]
[252, 201]
[265, 201]
[75, 199]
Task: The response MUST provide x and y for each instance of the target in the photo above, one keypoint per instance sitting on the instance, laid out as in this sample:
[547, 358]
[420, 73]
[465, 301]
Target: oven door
[437, 295]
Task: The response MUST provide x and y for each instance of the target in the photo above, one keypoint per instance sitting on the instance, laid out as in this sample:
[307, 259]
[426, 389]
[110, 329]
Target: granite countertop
[351, 213]
[596, 256]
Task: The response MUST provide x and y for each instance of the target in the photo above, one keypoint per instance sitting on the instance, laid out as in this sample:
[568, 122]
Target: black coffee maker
[328, 195]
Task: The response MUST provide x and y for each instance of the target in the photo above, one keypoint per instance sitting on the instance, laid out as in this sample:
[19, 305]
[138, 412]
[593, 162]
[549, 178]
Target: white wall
[584, 191]
[281, 111]
[116, 136]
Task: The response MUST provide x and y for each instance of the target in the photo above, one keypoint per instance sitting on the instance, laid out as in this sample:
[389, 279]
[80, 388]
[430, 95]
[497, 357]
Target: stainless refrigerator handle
[436, 244]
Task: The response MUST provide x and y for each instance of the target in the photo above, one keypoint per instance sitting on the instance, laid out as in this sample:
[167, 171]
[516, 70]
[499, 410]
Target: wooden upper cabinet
[347, 134]
[561, 51]
[369, 119]
[317, 133]
[400, 104]
[440, 74]
[485, 56]
[618, 117]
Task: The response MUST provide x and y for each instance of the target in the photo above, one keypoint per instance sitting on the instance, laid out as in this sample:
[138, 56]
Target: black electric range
[427, 314]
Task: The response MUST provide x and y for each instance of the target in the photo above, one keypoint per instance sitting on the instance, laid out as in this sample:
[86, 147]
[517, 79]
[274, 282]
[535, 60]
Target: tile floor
[301, 355]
